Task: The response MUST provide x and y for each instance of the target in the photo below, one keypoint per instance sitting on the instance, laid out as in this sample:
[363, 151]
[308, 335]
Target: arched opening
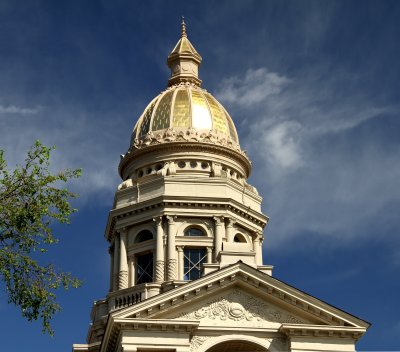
[194, 232]
[238, 346]
[239, 238]
[144, 235]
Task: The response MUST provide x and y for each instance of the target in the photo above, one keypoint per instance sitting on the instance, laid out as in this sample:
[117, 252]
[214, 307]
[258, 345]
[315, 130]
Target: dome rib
[185, 106]
[209, 109]
[153, 113]
[139, 124]
[171, 111]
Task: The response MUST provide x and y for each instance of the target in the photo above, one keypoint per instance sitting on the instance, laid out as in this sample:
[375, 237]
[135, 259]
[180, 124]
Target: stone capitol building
[186, 234]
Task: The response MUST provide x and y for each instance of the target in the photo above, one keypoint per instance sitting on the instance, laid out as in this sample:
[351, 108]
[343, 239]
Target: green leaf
[30, 202]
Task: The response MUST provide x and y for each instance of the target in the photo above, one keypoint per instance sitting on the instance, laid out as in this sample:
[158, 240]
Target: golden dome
[184, 110]
[182, 107]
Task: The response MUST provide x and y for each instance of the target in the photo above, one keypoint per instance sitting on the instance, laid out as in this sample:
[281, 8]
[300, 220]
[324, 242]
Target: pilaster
[257, 248]
[111, 254]
[123, 261]
[116, 262]
[229, 230]
[219, 231]
[159, 257]
[171, 250]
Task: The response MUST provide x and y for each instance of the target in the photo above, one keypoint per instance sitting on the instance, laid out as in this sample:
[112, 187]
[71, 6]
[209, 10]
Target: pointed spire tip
[183, 26]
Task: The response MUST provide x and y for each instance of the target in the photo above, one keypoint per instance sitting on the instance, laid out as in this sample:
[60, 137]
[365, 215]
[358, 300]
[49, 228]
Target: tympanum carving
[239, 306]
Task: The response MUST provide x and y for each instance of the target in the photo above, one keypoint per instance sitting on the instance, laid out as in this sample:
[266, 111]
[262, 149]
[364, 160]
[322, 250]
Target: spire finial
[184, 61]
[183, 26]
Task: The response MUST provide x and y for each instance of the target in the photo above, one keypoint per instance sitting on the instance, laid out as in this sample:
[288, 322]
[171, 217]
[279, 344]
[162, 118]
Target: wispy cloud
[87, 140]
[256, 86]
[12, 109]
[321, 171]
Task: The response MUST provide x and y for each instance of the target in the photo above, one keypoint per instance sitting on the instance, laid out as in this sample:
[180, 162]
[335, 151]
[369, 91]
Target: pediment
[240, 293]
[234, 307]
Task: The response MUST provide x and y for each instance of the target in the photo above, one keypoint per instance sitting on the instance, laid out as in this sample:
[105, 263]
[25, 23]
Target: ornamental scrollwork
[238, 306]
[190, 134]
[196, 342]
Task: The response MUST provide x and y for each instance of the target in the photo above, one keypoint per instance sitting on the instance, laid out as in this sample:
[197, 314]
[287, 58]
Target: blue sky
[313, 88]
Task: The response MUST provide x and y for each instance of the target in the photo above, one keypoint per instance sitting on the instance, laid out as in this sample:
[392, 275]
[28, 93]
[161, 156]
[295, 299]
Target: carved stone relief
[196, 342]
[172, 135]
[239, 306]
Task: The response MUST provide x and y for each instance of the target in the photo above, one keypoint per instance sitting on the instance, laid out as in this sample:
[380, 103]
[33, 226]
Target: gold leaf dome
[182, 107]
[187, 119]
[184, 110]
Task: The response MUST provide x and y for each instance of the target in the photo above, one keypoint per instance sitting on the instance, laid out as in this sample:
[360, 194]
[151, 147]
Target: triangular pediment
[240, 293]
[234, 307]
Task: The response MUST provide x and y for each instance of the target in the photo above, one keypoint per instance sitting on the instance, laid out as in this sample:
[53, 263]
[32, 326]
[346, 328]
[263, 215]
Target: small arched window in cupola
[144, 235]
[239, 238]
[194, 232]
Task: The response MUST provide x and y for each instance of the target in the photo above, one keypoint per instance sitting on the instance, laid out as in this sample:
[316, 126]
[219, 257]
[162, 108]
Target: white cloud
[253, 88]
[92, 142]
[281, 145]
[12, 109]
[316, 173]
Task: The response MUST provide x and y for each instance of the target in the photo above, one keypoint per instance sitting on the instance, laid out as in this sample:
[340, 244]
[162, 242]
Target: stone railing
[132, 295]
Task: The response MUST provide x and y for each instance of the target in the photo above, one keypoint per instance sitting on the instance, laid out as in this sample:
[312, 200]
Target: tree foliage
[31, 200]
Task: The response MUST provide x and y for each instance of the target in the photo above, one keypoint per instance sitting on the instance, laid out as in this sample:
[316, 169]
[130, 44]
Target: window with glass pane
[193, 231]
[193, 263]
[144, 235]
[144, 268]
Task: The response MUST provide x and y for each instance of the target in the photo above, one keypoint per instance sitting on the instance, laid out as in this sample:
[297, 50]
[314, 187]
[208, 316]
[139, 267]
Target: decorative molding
[158, 220]
[196, 342]
[188, 146]
[122, 280]
[172, 269]
[186, 135]
[159, 277]
[171, 219]
[123, 213]
[239, 306]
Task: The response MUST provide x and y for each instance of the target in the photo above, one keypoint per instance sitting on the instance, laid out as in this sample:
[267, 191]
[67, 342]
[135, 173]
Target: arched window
[194, 231]
[144, 235]
[239, 238]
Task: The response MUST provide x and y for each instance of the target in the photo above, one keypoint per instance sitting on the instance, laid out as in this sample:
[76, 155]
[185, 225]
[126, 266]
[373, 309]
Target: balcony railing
[131, 295]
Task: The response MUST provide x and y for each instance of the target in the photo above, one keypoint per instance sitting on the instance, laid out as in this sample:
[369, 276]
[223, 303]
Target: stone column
[180, 262]
[116, 261]
[219, 230]
[229, 231]
[159, 257]
[111, 253]
[171, 250]
[257, 248]
[123, 261]
[209, 255]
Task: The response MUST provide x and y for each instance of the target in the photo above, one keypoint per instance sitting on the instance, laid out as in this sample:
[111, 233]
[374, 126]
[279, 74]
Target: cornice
[189, 141]
[165, 325]
[303, 330]
[161, 202]
[252, 278]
